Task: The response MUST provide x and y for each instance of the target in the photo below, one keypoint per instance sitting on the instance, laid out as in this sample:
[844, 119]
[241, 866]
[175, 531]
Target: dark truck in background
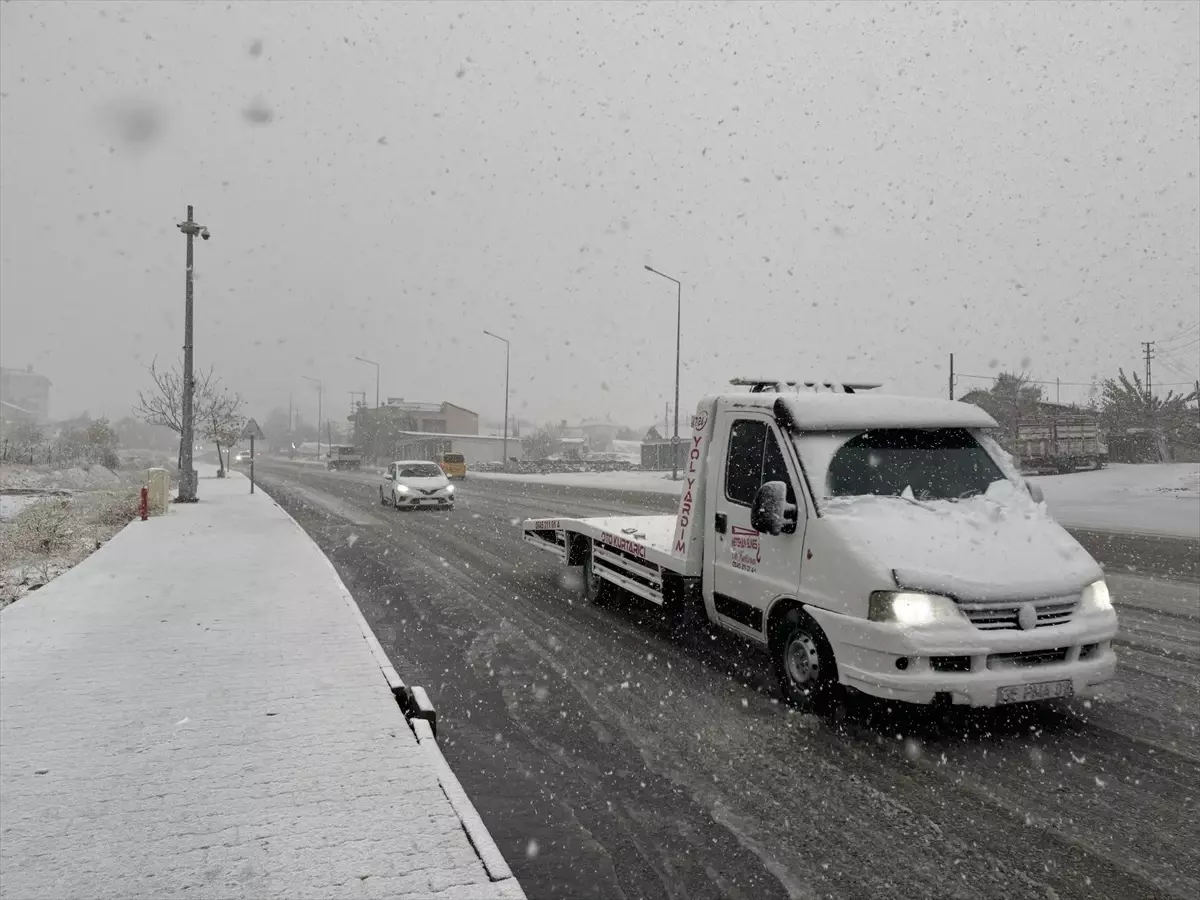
[1063, 444]
[343, 456]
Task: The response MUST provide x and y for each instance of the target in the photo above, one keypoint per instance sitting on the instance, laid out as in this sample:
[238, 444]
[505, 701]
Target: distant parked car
[408, 484]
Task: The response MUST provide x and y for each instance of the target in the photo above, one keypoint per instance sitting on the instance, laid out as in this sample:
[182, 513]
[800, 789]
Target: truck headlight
[911, 608]
[1095, 597]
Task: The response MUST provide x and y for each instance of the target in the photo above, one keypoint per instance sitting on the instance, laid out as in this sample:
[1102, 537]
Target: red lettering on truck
[688, 501]
[624, 544]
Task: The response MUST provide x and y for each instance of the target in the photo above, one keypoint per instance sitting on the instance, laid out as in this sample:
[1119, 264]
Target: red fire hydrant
[144, 506]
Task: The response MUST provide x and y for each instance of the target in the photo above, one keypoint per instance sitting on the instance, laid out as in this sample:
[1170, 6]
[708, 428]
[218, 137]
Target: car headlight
[449, 489]
[1095, 597]
[402, 489]
[910, 608]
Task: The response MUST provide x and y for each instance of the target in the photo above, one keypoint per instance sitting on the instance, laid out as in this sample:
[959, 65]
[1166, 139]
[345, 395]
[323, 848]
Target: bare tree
[221, 421]
[163, 404]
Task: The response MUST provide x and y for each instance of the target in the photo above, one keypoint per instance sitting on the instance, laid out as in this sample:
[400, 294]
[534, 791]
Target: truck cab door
[745, 570]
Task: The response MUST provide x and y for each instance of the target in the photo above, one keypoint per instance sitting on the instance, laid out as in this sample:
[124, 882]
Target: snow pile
[45, 478]
[630, 451]
[1000, 545]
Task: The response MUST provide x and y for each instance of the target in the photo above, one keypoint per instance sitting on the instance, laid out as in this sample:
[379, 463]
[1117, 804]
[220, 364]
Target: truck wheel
[595, 589]
[804, 663]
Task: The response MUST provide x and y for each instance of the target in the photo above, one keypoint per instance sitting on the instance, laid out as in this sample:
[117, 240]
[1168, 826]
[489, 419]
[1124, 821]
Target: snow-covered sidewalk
[195, 711]
[1150, 499]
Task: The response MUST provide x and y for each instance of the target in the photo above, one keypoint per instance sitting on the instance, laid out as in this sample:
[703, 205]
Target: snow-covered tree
[1126, 404]
[221, 420]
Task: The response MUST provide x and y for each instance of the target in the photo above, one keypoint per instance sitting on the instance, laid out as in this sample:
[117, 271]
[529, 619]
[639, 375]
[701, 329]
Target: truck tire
[804, 663]
[595, 588]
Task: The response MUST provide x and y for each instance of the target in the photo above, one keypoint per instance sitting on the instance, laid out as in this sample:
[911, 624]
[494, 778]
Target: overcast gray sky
[845, 189]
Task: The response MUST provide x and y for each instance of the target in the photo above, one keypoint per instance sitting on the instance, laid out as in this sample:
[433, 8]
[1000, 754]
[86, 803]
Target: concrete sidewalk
[194, 711]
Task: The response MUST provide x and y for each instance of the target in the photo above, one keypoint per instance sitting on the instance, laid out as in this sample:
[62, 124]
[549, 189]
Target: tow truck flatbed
[630, 551]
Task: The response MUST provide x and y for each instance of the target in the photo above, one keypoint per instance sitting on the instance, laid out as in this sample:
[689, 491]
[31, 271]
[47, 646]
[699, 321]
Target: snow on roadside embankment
[1154, 498]
[51, 519]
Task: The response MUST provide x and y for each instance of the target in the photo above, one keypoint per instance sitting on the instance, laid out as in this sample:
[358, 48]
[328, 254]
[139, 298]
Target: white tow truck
[875, 542]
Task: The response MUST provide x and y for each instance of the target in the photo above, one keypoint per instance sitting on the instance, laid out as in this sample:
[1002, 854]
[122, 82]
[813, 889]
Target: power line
[1186, 332]
[1063, 383]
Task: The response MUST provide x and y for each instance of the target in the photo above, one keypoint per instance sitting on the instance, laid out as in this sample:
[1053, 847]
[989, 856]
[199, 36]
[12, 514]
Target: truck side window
[754, 459]
[743, 468]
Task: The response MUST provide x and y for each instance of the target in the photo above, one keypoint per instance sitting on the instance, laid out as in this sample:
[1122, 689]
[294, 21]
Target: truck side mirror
[1035, 491]
[771, 512]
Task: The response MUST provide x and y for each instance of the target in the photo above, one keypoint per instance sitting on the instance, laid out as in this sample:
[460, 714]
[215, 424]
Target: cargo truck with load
[343, 456]
[878, 543]
[1062, 444]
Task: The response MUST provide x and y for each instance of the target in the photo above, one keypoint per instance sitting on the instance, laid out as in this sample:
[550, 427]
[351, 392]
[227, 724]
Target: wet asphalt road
[612, 757]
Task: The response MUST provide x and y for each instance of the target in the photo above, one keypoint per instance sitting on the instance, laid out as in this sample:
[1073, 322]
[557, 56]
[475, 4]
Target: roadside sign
[252, 431]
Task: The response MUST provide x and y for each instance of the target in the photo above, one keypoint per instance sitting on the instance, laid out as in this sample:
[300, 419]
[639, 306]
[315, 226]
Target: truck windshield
[926, 463]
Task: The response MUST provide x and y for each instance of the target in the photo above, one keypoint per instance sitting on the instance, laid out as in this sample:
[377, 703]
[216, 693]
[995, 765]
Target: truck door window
[754, 459]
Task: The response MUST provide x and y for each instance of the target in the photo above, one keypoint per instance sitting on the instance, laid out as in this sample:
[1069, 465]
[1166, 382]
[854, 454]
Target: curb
[477, 833]
[421, 717]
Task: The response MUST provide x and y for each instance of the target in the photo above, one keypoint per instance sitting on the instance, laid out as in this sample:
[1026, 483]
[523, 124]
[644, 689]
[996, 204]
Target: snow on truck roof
[845, 412]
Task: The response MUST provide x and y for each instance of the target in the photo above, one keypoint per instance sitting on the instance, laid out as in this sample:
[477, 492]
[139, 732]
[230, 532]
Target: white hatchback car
[414, 483]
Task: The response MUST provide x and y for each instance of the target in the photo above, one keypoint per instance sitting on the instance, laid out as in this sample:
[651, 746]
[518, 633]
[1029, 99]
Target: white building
[475, 448]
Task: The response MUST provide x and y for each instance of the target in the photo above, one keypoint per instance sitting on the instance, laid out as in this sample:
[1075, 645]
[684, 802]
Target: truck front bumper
[968, 666]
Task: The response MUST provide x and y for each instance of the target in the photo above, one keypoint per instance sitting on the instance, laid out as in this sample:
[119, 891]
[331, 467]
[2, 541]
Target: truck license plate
[1041, 690]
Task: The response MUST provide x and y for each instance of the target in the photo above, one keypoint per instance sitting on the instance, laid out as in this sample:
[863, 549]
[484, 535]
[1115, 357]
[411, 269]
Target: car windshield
[923, 463]
[452, 458]
[419, 470]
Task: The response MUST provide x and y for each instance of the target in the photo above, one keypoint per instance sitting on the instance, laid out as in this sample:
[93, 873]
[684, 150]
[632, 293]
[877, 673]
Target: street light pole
[678, 333]
[320, 391]
[506, 352]
[376, 365]
[187, 438]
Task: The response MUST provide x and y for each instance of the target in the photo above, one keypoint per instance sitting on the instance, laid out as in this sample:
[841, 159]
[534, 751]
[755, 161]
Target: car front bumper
[424, 500]
[969, 666]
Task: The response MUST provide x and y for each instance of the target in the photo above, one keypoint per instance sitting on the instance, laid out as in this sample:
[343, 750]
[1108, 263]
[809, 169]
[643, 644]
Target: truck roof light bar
[783, 386]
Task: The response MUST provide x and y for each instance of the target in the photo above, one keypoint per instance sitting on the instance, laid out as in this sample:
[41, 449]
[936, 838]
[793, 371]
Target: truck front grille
[1028, 658]
[1007, 615]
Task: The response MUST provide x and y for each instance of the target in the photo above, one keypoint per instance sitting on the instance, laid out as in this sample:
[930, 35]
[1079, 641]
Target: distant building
[475, 448]
[435, 418]
[598, 434]
[24, 394]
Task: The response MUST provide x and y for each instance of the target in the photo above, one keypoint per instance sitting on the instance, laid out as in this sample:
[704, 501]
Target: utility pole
[951, 376]
[356, 409]
[678, 334]
[1149, 356]
[187, 438]
[506, 352]
[372, 362]
[320, 416]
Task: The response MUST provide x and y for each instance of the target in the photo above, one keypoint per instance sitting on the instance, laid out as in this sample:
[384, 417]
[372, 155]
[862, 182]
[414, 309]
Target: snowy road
[611, 758]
